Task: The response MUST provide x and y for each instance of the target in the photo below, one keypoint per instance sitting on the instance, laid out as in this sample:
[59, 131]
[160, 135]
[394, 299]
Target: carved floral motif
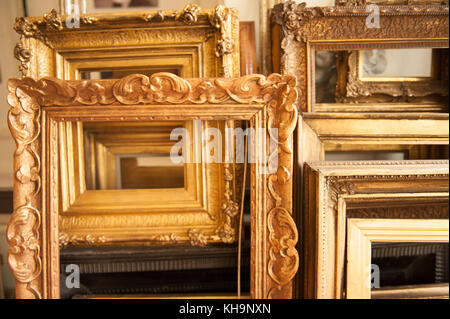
[189, 15]
[276, 92]
[333, 27]
[221, 18]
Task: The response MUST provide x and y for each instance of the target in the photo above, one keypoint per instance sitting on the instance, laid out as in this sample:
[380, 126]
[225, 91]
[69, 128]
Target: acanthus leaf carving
[24, 227]
[283, 234]
[23, 55]
[283, 237]
[275, 93]
[53, 21]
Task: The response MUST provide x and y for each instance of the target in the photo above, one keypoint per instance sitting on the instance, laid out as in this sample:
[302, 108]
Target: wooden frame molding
[430, 291]
[338, 130]
[197, 42]
[140, 216]
[298, 31]
[363, 232]
[38, 105]
[352, 87]
[388, 2]
[335, 191]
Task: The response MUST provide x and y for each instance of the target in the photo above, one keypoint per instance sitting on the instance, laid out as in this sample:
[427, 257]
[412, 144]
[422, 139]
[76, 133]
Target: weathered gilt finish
[298, 31]
[352, 88]
[37, 106]
[336, 191]
[53, 46]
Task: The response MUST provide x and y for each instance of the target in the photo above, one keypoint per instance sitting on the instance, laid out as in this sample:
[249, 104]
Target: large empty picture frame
[104, 189]
[192, 42]
[38, 106]
[363, 232]
[298, 32]
[336, 191]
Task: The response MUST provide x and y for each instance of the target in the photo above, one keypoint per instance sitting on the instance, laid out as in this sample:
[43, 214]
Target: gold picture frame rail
[38, 105]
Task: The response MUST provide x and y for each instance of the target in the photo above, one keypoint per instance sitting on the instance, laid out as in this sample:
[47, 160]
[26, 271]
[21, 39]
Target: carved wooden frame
[335, 191]
[298, 31]
[85, 146]
[387, 2]
[89, 217]
[38, 105]
[423, 136]
[198, 42]
[363, 232]
[356, 89]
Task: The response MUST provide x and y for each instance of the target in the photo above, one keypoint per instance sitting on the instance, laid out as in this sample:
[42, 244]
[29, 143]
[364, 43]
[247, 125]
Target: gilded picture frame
[89, 216]
[387, 2]
[191, 42]
[337, 191]
[356, 88]
[363, 232]
[298, 31]
[38, 105]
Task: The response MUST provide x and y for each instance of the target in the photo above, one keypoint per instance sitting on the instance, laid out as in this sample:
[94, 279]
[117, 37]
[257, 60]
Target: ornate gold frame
[98, 144]
[363, 232]
[192, 42]
[353, 88]
[38, 105]
[335, 191]
[198, 42]
[91, 217]
[388, 2]
[298, 31]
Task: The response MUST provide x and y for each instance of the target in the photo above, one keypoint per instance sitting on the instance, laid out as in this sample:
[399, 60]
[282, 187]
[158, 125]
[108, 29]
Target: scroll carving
[23, 55]
[220, 20]
[271, 99]
[299, 25]
[283, 256]
[283, 235]
[167, 88]
[24, 228]
[357, 90]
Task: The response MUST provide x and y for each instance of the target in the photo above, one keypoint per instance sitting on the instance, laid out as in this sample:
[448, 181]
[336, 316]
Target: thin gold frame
[363, 232]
